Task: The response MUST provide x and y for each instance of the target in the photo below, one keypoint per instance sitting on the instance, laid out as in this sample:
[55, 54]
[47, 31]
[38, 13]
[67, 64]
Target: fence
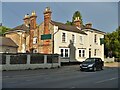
[29, 61]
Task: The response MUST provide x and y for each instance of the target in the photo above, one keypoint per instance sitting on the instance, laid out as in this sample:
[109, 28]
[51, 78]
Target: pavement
[112, 64]
[68, 77]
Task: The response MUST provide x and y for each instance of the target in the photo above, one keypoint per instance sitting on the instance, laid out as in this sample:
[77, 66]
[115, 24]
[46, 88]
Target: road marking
[107, 80]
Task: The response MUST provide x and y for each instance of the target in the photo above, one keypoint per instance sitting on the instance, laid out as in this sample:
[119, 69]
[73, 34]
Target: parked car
[92, 64]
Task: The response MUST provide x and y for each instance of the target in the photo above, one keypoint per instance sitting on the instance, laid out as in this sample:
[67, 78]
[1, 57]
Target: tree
[76, 14]
[3, 29]
[112, 43]
[69, 23]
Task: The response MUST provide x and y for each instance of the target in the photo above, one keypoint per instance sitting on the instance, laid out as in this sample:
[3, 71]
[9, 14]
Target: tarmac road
[64, 77]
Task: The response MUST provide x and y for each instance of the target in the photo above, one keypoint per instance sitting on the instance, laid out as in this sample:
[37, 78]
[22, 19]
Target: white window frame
[74, 38]
[82, 53]
[95, 38]
[81, 42]
[65, 37]
[64, 52]
[34, 40]
[95, 52]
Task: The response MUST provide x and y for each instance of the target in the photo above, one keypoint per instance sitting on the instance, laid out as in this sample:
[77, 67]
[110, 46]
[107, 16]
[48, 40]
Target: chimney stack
[33, 20]
[88, 25]
[26, 19]
[47, 19]
[77, 22]
[32, 29]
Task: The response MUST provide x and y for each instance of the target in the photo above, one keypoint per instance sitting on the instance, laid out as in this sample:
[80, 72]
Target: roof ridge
[68, 27]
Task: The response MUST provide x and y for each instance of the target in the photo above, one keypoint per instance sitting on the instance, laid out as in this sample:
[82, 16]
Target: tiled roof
[67, 27]
[96, 30]
[20, 27]
[7, 42]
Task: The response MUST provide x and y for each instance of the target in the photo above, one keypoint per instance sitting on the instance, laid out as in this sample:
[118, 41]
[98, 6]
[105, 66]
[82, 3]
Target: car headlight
[80, 65]
[90, 65]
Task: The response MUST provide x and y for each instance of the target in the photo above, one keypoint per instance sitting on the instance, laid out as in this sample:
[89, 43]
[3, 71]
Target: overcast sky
[103, 15]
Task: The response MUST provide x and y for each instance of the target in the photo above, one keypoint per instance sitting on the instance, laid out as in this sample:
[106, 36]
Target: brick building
[73, 43]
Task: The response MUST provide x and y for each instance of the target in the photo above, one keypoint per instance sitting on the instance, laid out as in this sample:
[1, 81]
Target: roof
[96, 30]
[67, 27]
[7, 42]
[20, 27]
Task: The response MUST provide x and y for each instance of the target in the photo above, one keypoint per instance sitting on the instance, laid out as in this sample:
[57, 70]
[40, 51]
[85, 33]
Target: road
[64, 77]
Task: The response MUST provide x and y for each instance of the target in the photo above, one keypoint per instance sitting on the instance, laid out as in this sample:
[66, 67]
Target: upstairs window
[73, 38]
[64, 37]
[81, 39]
[35, 40]
[95, 38]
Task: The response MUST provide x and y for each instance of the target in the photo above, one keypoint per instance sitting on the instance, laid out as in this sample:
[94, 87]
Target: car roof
[94, 58]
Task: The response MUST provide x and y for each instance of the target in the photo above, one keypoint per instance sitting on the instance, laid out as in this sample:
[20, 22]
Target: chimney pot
[33, 13]
[88, 25]
[26, 19]
[77, 22]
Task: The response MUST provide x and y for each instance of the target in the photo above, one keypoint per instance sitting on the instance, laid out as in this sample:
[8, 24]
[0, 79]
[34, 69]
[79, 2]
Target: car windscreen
[90, 60]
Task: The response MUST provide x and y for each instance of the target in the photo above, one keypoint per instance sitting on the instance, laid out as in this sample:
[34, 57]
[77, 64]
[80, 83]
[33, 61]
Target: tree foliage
[69, 23]
[112, 43]
[3, 29]
[76, 14]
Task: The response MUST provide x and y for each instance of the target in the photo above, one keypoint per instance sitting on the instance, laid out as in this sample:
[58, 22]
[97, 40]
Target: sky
[103, 15]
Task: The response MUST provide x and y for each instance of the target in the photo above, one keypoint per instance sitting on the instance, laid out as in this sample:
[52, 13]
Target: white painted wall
[87, 43]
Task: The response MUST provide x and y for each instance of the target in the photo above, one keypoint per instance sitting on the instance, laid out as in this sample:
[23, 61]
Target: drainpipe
[53, 47]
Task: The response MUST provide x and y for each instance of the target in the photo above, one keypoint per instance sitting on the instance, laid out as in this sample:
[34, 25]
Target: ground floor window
[64, 52]
[82, 53]
[95, 52]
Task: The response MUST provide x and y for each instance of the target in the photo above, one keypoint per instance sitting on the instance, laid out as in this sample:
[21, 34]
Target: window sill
[65, 57]
[81, 57]
[81, 43]
[64, 42]
[96, 43]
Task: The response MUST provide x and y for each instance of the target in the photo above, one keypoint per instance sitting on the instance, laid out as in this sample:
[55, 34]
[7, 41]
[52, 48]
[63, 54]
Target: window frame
[95, 52]
[65, 37]
[35, 40]
[81, 39]
[74, 39]
[95, 38]
[64, 53]
[82, 55]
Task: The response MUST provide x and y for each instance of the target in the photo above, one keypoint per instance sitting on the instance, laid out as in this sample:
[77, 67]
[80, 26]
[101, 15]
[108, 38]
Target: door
[89, 52]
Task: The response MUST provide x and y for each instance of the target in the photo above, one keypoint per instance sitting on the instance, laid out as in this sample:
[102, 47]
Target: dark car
[92, 64]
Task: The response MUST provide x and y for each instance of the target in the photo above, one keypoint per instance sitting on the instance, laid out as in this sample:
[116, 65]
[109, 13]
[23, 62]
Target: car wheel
[94, 69]
[101, 67]
[81, 69]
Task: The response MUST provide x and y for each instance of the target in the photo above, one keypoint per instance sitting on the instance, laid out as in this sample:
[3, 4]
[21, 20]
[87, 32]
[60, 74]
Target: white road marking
[107, 80]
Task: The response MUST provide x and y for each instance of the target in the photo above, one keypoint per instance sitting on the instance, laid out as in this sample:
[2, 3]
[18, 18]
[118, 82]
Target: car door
[96, 63]
[101, 63]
